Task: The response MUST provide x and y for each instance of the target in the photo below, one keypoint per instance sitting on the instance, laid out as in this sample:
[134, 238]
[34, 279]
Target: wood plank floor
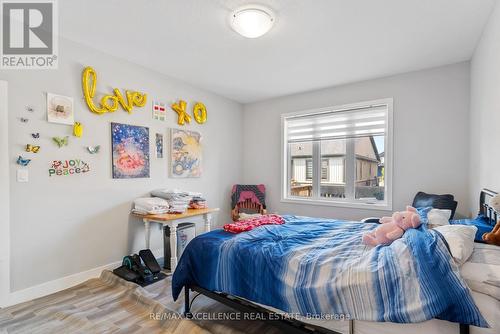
[111, 305]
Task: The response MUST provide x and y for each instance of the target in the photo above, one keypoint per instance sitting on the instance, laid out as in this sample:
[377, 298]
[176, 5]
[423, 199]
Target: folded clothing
[150, 205]
[175, 194]
[178, 200]
[198, 202]
[251, 223]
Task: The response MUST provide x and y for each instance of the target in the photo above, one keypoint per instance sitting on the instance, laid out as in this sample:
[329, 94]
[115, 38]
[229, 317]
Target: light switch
[22, 175]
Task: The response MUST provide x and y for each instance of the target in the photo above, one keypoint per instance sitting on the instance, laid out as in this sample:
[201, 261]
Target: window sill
[341, 204]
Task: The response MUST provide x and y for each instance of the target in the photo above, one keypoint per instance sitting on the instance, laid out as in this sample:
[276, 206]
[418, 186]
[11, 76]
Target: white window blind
[335, 124]
[339, 156]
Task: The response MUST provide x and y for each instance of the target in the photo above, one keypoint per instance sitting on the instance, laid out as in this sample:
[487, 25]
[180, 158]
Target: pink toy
[392, 228]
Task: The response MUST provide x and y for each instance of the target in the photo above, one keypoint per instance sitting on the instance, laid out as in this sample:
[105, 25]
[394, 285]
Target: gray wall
[66, 225]
[485, 111]
[4, 195]
[431, 136]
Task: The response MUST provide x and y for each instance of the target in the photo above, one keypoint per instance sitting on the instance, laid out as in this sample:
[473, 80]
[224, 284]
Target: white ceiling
[313, 44]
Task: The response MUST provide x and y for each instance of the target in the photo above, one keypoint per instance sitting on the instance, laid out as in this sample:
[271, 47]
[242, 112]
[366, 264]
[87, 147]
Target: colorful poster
[186, 154]
[159, 145]
[130, 149]
[60, 109]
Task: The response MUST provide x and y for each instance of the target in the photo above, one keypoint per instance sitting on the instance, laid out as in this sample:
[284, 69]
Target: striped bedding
[319, 267]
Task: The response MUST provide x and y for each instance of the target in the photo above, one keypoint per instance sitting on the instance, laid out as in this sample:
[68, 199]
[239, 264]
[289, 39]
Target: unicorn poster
[130, 150]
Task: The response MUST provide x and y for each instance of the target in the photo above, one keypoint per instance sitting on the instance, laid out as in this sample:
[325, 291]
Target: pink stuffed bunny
[392, 228]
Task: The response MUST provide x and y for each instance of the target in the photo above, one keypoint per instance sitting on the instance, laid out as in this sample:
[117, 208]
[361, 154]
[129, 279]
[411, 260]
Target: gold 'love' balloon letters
[109, 103]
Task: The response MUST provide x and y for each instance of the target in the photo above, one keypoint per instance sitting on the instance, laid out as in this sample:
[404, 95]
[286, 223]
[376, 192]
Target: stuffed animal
[393, 228]
[493, 237]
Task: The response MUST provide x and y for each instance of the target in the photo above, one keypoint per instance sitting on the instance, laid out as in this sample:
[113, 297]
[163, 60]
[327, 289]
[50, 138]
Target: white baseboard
[59, 284]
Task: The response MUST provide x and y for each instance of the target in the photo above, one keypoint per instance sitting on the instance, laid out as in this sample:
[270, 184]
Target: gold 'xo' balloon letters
[180, 109]
[200, 113]
[109, 103]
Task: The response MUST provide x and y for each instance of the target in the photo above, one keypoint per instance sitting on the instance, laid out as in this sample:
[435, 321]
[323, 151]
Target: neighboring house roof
[374, 146]
[365, 148]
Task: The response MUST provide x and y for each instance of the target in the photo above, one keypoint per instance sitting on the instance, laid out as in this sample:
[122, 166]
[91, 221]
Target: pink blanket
[251, 223]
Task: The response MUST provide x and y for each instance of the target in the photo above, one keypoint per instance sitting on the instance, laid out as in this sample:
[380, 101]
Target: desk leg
[173, 246]
[208, 218]
[147, 232]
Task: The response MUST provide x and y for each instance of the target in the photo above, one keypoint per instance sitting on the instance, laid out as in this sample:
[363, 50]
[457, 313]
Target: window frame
[349, 201]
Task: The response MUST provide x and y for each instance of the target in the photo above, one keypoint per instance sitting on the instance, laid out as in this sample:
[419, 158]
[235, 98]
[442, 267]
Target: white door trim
[4, 196]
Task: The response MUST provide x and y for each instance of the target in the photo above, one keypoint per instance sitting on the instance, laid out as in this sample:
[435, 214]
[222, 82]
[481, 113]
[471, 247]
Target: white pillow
[460, 238]
[439, 217]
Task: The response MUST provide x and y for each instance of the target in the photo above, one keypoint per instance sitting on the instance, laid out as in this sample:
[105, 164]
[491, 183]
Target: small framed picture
[60, 109]
[159, 145]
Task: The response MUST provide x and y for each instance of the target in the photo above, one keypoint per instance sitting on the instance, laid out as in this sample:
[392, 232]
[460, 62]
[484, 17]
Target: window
[339, 156]
[324, 169]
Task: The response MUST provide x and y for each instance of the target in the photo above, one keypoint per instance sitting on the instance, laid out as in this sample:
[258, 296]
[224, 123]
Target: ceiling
[314, 44]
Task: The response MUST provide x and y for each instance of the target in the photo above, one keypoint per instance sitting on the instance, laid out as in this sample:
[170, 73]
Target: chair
[249, 199]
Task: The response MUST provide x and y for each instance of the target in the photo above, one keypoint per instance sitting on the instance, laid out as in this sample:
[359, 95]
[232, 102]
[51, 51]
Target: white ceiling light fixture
[252, 21]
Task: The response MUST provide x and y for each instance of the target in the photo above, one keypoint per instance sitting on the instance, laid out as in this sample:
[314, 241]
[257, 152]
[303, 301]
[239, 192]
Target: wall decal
[180, 109]
[32, 148]
[159, 145]
[109, 103]
[68, 167]
[22, 161]
[60, 142]
[186, 153]
[60, 109]
[23, 120]
[159, 111]
[200, 113]
[94, 149]
[35, 135]
[30, 109]
[78, 129]
[130, 149]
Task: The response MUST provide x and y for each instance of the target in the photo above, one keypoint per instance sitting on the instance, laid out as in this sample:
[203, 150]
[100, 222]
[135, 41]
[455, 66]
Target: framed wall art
[186, 153]
[130, 151]
[60, 109]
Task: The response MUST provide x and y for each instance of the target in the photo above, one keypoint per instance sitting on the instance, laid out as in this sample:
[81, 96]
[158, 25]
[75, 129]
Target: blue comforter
[316, 267]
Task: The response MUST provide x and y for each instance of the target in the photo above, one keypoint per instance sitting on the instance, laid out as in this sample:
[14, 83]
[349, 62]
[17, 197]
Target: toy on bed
[493, 237]
[393, 228]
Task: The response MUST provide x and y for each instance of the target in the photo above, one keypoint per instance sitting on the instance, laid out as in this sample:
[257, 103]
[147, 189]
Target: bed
[314, 275]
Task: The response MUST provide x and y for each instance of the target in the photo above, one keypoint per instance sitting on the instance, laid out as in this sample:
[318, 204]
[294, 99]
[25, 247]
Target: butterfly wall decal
[32, 148]
[61, 141]
[35, 135]
[23, 162]
[23, 120]
[94, 149]
[30, 109]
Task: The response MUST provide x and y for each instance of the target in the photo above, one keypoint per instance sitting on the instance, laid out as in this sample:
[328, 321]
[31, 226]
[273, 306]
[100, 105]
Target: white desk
[172, 220]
